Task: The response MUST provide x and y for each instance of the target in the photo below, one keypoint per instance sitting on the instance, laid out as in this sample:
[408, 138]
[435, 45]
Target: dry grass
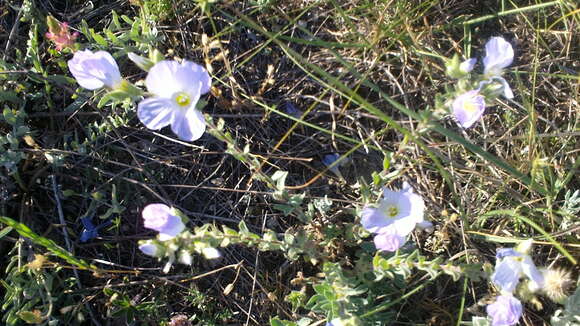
[384, 41]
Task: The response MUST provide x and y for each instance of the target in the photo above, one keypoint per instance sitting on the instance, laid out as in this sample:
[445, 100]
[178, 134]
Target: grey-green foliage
[10, 155]
[570, 315]
[27, 290]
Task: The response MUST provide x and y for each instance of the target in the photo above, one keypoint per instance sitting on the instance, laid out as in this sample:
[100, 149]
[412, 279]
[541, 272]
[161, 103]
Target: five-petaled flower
[498, 55]
[505, 311]
[468, 108]
[95, 70]
[510, 266]
[161, 218]
[176, 88]
[397, 215]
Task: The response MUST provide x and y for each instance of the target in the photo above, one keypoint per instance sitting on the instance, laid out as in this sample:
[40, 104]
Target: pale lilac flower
[176, 88]
[159, 217]
[467, 65]
[510, 266]
[468, 108]
[397, 215]
[498, 55]
[95, 70]
[505, 311]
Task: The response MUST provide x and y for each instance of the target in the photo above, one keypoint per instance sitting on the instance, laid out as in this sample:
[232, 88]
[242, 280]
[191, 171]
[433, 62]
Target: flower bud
[150, 248]
[141, 62]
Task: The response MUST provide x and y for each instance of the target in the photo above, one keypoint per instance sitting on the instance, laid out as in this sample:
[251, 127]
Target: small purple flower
[95, 70]
[329, 159]
[159, 217]
[468, 108]
[505, 311]
[177, 88]
[292, 110]
[510, 266]
[91, 231]
[397, 215]
[498, 55]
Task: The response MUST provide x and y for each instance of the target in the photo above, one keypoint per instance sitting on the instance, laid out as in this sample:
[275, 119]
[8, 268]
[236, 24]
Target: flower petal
[372, 219]
[535, 276]
[498, 55]
[507, 90]
[507, 274]
[173, 227]
[190, 71]
[95, 70]
[467, 65]
[156, 113]
[388, 240]
[168, 77]
[505, 311]
[155, 216]
[468, 108]
[189, 126]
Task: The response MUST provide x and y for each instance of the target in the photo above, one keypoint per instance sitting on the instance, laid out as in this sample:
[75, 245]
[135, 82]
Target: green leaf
[26, 232]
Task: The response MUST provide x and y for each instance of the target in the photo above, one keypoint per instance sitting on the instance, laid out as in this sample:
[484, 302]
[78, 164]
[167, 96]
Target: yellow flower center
[392, 211]
[469, 107]
[182, 99]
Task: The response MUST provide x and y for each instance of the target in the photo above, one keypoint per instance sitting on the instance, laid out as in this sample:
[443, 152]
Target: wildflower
[498, 55]
[511, 265]
[467, 65]
[95, 70]
[161, 218]
[91, 231]
[176, 88]
[505, 311]
[59, 34]
[329, 160]
[468, 108]
[397, 215]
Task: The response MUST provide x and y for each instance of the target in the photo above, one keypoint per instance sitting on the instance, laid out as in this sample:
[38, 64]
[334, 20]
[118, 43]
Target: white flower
[176, 88]
[95, 70]
[510, 266]
[397, 215]
[498, 55]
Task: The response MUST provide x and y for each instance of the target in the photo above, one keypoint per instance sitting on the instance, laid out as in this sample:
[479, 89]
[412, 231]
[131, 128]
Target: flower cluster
[511, 265]
[469, 105]
[175, 88]
[172, 241]
[397, 215]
